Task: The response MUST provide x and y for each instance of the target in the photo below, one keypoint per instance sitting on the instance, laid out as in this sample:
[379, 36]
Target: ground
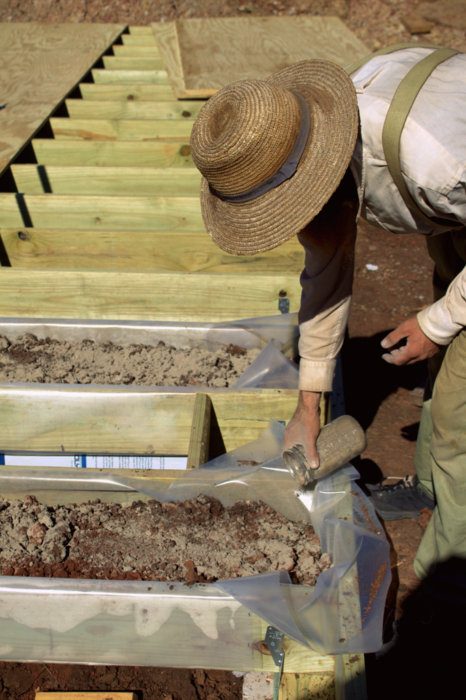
[392, 277]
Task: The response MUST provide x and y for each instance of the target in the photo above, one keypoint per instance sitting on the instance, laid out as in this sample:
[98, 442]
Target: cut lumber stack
[105, 218]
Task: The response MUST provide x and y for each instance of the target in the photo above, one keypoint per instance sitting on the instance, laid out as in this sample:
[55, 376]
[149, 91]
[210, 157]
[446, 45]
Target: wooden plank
[10, 214]
[115, 213]
[127, 153]
[303, 686]
[166, 36]
[121, 420]
[133, 63]
[140, 30]
[133, 109]
[124, 129]
[101, 180]
[125, 50]
[54, 56]
[102, 76]
[143, 251]
[129, 92]
[258, 46]
[190, 627]
[198, 450]
[150, 296]
[137, 40]
[350, 676]
[84, 695]
[136, 50]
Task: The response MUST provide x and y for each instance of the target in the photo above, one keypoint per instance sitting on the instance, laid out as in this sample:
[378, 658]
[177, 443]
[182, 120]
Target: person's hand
[304, 427]
[407, 344]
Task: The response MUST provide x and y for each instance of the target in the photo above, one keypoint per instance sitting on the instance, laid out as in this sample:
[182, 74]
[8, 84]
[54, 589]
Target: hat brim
[273, 218]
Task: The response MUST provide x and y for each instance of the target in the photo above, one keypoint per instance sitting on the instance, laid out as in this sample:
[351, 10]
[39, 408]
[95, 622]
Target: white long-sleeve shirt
[433, 163]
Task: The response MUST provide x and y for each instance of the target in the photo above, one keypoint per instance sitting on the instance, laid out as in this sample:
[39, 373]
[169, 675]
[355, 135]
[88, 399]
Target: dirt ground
[392, 282]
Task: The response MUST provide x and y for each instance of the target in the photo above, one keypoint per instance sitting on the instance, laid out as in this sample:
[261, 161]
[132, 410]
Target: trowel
[338, 442]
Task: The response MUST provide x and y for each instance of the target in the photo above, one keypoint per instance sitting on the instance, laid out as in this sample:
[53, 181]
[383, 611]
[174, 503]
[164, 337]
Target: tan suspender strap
[397, 114]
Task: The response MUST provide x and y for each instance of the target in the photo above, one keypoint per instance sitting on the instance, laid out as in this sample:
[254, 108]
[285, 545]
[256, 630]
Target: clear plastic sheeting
[276, 335]
[343, 613]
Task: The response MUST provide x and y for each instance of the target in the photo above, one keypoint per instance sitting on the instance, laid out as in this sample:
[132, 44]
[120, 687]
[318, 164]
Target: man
[305, 153]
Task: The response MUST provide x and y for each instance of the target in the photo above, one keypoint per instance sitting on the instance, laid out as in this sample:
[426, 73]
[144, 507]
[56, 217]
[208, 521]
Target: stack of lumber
[104, 218]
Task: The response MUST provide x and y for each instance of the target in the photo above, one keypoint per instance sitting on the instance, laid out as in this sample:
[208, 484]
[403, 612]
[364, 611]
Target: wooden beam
[304, 686]
[124, 129]
[198, 450]
[135, 50]
[112, 213]
[133, 623]
[140, 30]
[10, 211]
[128, 420]
[91, 91]
[103, 76]
[132, 153]
[142, 62]
[137, 40]
[102, 180]
[133, 109]
[139, 251]
[144, 295]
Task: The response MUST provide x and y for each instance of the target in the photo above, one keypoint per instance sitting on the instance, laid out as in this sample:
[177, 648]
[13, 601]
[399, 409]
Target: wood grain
[203, 55]
[53, 56]
[144, 295]
[140, 251]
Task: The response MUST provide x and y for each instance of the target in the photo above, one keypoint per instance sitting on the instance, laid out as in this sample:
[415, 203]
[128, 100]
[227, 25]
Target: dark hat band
[288, 168]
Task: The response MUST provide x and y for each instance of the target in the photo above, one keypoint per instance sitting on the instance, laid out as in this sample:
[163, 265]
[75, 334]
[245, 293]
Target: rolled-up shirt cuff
[316, 375]
[436, 324]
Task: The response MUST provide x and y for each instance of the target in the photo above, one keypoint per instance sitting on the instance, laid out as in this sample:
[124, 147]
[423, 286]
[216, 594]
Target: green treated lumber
[133, 109]
[101, 180]
[133, 63]
[122, 420]
[168, 251]
[127, 153]
[91, 91]
[138, 40]
[102, 76]
[198, 450]
[135, 50]
[124, 129]
[150, 296]
[115, 213]
[140, 30]
[10, 214]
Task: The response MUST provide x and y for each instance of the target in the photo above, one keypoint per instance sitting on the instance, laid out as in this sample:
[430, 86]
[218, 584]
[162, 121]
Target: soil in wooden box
[198, 540]
[29, 359]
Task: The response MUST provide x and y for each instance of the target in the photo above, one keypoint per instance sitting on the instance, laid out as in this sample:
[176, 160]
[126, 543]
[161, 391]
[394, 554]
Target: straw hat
[272, 152]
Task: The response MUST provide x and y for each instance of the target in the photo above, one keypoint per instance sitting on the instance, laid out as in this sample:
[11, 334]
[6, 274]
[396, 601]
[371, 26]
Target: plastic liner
[343, 613]
[276, 335]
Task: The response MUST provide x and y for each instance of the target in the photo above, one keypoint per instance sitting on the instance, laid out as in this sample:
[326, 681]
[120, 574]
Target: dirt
[385, 399]
[205, 542]
[28, 359]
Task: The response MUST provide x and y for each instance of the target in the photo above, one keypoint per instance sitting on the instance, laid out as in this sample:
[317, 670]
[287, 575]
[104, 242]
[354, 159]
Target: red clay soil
[385, 399]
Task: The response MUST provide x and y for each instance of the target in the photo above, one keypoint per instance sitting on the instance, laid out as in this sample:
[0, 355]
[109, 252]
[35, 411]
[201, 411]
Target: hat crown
[244, 134]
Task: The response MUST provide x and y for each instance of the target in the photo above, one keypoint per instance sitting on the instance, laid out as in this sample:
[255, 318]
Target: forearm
[326, 293]
[445, 318]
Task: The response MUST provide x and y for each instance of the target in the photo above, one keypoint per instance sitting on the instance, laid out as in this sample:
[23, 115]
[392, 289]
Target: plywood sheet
[203, 55]
[39, 65]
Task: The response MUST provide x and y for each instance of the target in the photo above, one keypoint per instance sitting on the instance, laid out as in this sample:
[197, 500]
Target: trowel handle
[338, 443]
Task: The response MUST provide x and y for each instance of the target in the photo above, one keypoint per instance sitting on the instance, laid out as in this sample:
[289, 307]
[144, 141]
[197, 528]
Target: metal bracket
[284, 305]
[274, 640]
